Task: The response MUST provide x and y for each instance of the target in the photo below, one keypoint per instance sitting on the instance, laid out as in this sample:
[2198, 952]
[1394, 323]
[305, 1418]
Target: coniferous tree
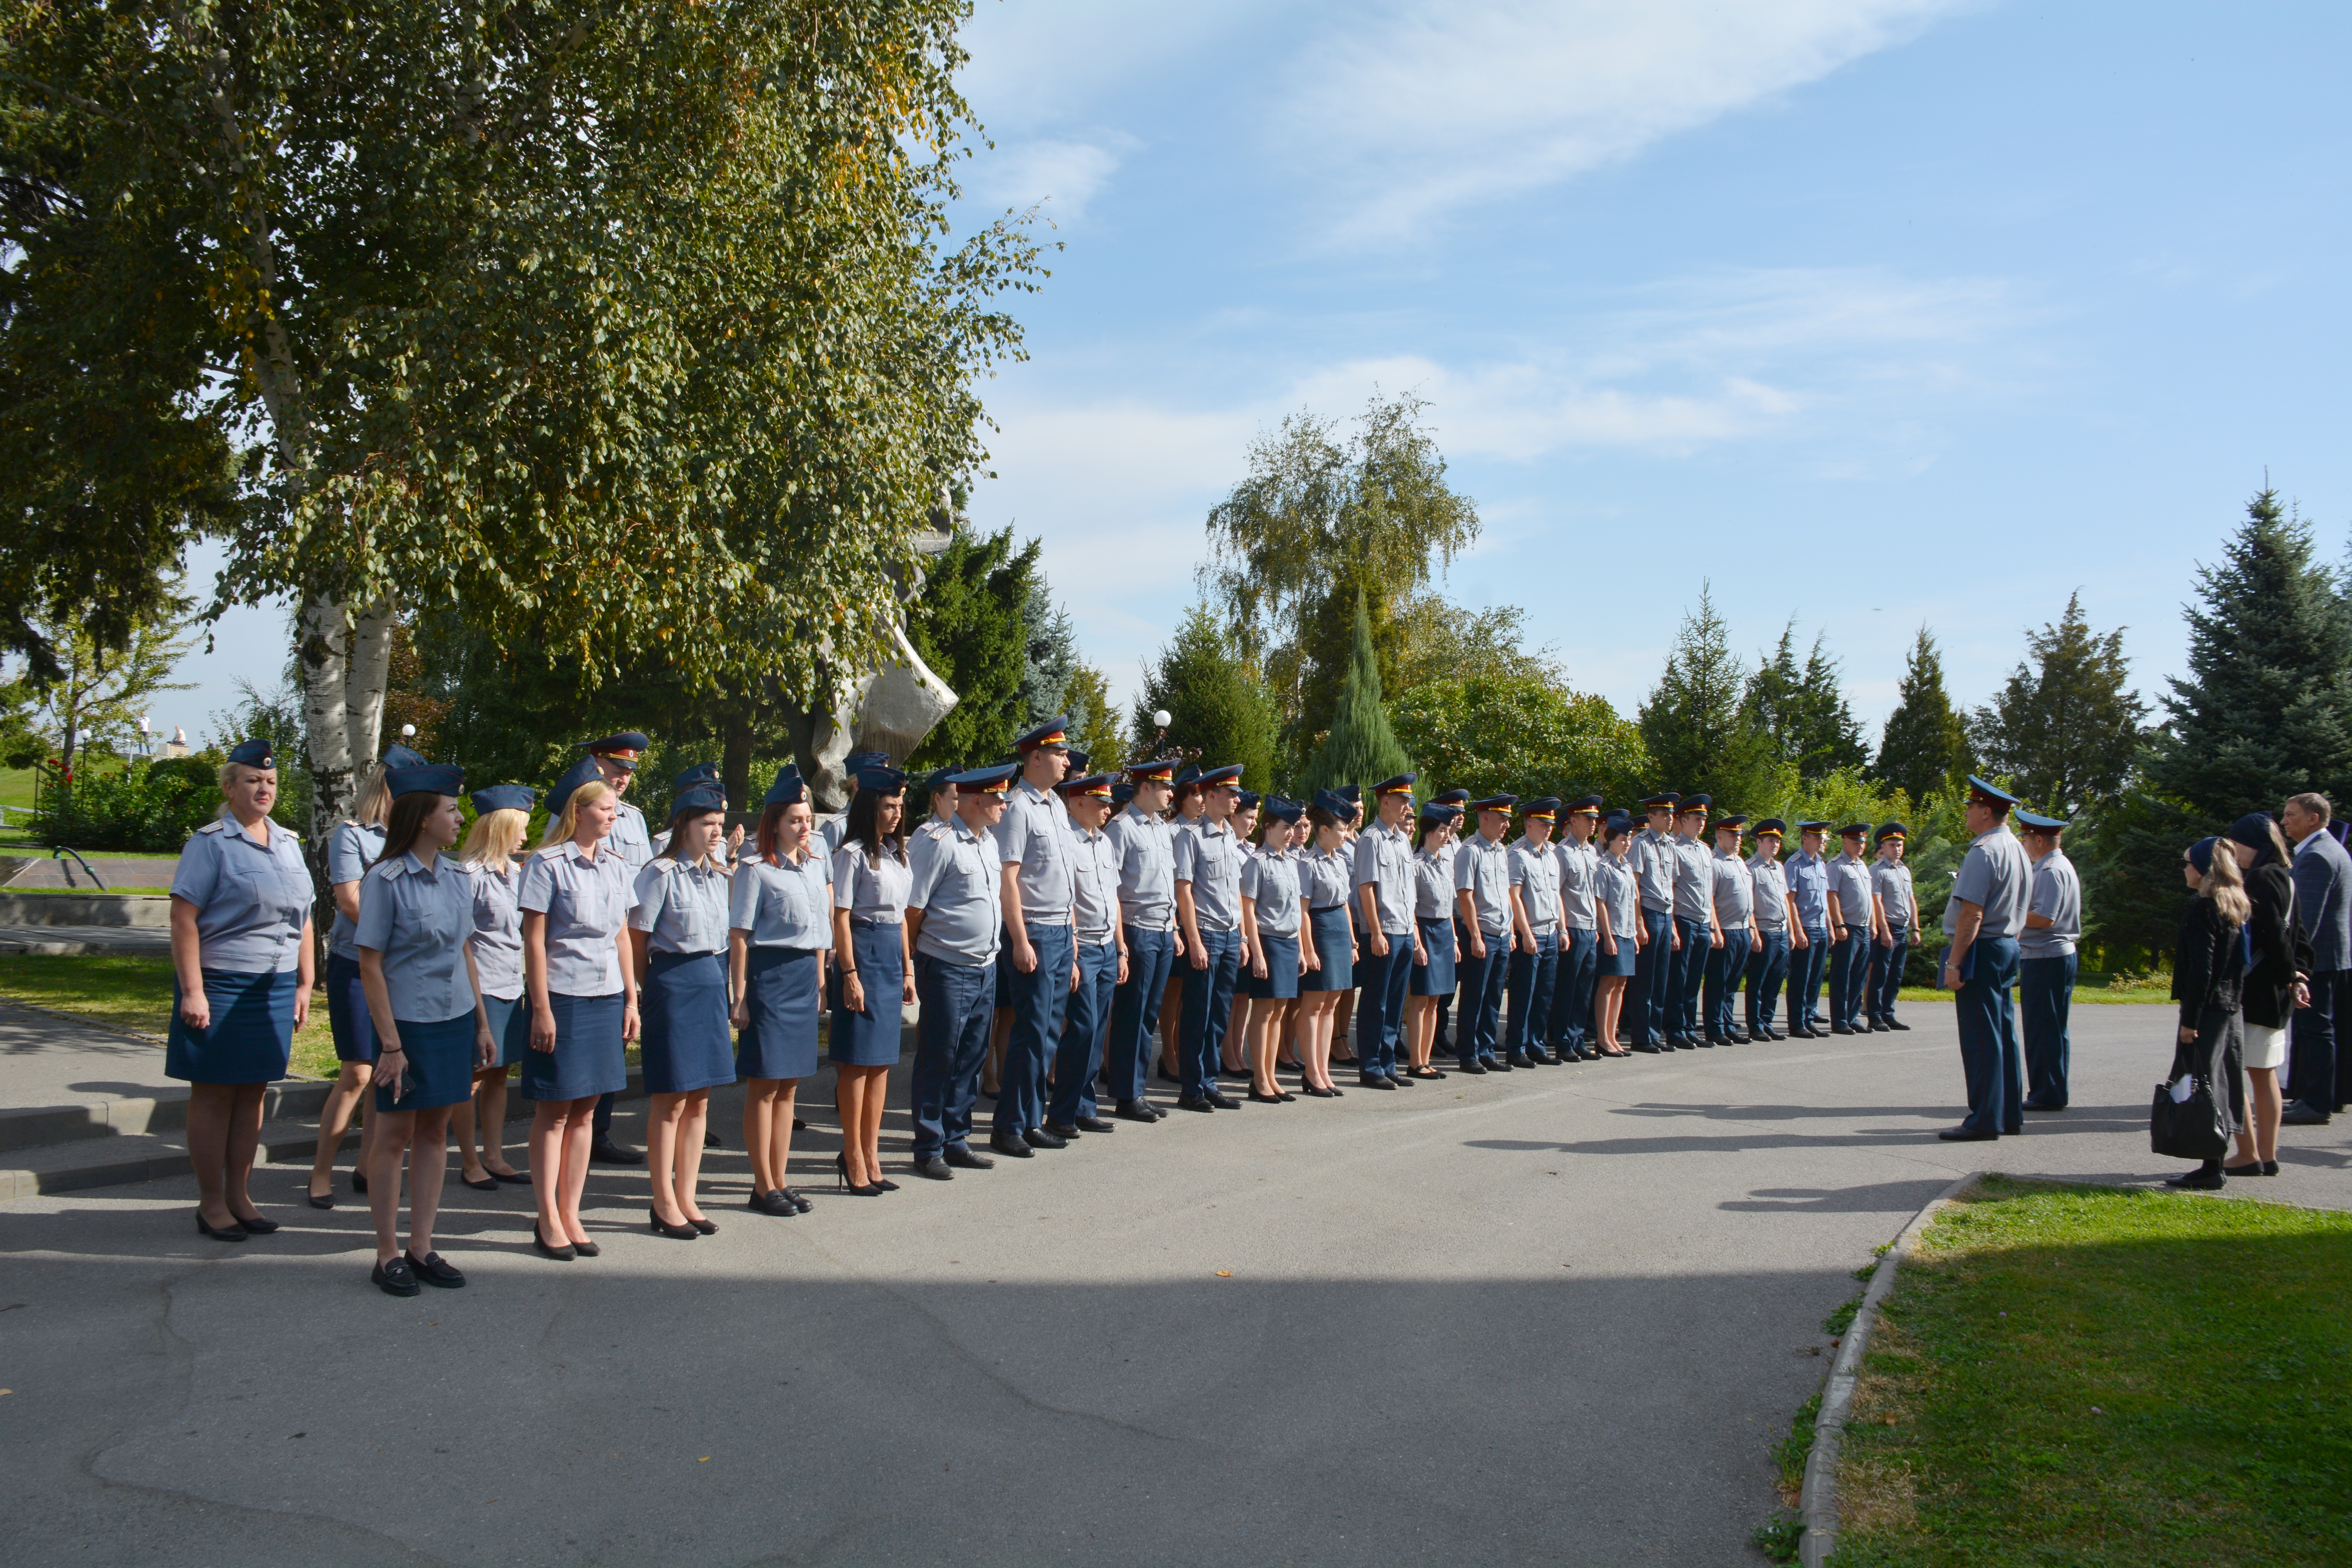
[2065, 726]
[971, 626]
[1218, 710]
[1050, 656]
[1925, 745]
[1692, 721]
[1801, 712]
[1361, 747]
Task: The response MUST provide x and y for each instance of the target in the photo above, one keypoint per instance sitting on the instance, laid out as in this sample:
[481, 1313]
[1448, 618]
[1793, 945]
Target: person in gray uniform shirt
[1032, 840]
[1144, 841]
[1695, 934]
[1807, 875]
[615, 757]
[1774, 916]
[1102, 959]
[1387, 931]
[1984, 917]
[1734, 893]
[678, 938]
[1570, 1034]
[1209, 911]
[1854, 928]
[1491, 911]
[1898, 907]
[1652, 857]
[1528, 988]
[831, 829]
[955, 926]
[2046, 960]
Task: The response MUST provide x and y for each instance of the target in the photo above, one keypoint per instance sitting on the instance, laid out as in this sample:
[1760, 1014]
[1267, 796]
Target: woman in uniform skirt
[1277, 942]
[780, 927]
[1233, 1053]
[240, 982]
[425, 1000]
[1617, 910]
[501, 821]
[871, 880]
[1326, 887]
[579, 974]
[1434, 949]
[678, 940]
[1351, 823]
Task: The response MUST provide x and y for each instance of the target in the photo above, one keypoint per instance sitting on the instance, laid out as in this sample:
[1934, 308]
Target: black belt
[1325, 908]
[864, 925]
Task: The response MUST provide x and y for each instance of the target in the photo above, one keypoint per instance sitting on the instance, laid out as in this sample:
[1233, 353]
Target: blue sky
[1873, 313]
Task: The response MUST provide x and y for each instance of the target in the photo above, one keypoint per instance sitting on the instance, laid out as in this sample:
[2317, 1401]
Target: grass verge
[2119, 1379]
[133, 991]
[2084, 996]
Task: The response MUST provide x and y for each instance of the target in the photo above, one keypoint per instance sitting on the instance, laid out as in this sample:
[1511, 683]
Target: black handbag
[2189, 1129]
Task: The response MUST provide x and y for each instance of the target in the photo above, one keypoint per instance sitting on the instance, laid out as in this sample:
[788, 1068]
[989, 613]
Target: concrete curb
[1819, 1507]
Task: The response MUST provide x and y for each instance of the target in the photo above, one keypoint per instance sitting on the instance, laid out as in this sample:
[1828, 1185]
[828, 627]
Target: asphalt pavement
[1554, 1316]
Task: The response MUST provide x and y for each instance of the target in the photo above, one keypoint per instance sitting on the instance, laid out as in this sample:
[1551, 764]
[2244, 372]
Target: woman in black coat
[2274, 988]
[2208, 969]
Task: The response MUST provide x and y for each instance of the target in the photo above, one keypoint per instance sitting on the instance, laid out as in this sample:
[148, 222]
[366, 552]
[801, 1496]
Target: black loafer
[1965, 1135]
[1137, 1110]
[706, 1226]
[935, 1168]
[1012, 1145]
[1373, 1081]
[1899, 1025]
[1224, 1101]
[2302, 1115]
[772, 1201]
[1095, 1124]
[1040, 1138]
[432, 1270]
[1192, 1102]
[605, 1152]
[963, 1158]
[1477, 1069]
[394, 1277]
[2198, 1181]
[793, 1198]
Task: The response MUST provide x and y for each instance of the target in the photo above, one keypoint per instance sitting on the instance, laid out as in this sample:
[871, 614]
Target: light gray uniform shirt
[419, 921]
[1034, 834]
[1271, 880]
[954, 881]
[1384, 864]
[1893, 886]
[1145, 849]
[1618, 890]
[1326, 876]
[251, 899]
[1483, 870]
[497, 941]
[1094, 882]
[1209, 859]
[1694, 880]
[586, 903]
[2058, 895]
[1580, 879]
[683, 907]
[872, 889]
[1535, 874]
[786, 905]
[1998, 879]
[1735, 891]
[352, 848]
[630, 836]
[1652, 858]
[1850, 880]
[1770, 884]
[1432, 884]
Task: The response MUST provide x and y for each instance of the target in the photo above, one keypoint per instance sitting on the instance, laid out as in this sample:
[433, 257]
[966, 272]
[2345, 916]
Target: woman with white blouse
[780, 928]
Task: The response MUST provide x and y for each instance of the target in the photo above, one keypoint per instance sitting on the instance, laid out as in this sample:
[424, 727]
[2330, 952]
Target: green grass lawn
[87, 893]
[2111, 1378]
[2084, 996]
[133, 991]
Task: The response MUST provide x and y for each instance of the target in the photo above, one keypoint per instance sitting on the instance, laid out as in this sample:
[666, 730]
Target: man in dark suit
[2317, 1075]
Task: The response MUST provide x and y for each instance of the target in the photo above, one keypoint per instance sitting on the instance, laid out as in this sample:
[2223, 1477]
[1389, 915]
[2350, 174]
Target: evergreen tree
[1095, 726]
[1800, 711]
[2065, 727]
[971, 626]
[1219, 710]
[1050, 656]
[1925, 746]
[1360, 747]
[1692, 721]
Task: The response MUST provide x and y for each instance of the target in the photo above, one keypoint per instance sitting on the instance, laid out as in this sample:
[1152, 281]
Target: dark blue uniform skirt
[1435, 978]
[347, 1011]
[250, 1035]
[1335, 946]
[1282, 977]
[440, 1069]
[782, 996]
[509, 1026]
[870, 1039]
[688, 1044]
[589, 1058]
[1622, 962]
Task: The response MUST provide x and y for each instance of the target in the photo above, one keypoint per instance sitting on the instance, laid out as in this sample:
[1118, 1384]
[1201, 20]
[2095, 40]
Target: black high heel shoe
[685, 1232]
[359, 1180]
[234, 1233]
[256, 1225]
[841, 1174]
[564, 1253]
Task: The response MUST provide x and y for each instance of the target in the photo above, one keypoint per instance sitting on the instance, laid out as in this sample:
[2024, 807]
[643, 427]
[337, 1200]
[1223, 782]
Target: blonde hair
[2225, 884]
[372, 808]
[491, 842]
[559, 828]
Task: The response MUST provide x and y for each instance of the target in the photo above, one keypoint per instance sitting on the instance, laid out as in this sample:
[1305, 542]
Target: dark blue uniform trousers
[1041, 1001]
[1725, 966]
[951, 1044]
[1645, 1009]
[2045, 990]
[2316, 1078]
[1379, 1011]
[1208, 1008]
[1689, 977]
[1441, 1039]
[1805, 966]
[1849, 975]
[1484, 982]
[1886, 973]
[1078, 1057]
[1571, 989]
[1529, 984]
[1988, 1054]
[1135, 1011]
[1767, 970]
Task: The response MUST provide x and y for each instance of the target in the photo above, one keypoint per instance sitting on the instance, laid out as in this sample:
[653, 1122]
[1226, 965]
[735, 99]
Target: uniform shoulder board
[217, 825]
[388, 869]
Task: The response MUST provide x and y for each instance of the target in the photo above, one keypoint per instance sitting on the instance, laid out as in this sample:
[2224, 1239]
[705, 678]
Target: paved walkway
[46, 1059]
[1555, 1317]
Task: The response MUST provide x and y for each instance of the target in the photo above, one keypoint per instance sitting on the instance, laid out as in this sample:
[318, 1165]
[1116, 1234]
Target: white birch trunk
[367, 668]
[325, 667]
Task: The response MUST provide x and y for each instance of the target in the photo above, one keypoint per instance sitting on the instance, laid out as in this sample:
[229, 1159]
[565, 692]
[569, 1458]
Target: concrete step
[144, 910]
[137, 1157]
[164, 1111]
[74, 942]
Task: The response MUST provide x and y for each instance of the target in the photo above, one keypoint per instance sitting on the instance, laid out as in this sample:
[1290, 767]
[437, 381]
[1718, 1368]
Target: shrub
[147, 805]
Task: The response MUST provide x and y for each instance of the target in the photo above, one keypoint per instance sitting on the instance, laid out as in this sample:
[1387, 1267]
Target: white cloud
[1063, 175]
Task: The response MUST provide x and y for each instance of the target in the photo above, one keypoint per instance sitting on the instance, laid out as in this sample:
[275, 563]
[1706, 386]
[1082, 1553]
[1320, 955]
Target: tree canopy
[1219, 711]
[1359, 747]
[1800, 711]
[1924, 746]
[2065, 726]
[1521, 734]
[1694, 723]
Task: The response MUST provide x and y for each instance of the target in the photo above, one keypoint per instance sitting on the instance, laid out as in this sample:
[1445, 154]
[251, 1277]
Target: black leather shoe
[563, 1253]
[1965, 1135]
[1686, 1043]
[1373, 1081]
[1398, 1082]
[231, 1232]
[799, 1203]
[935, 1168]
[707, 1227]
[1040, 1138]
[1012, 1145]
[322, 1203]
[1066, 1131]
[587, 1249]
[680, 1232]
[1894, 1023]
[605, 1152]
[1647, 1050]
[394, 1277]
[433, 1271]
[1267, 1099]
[2302, 1115]
[1094, 1124]
[1553, 1058]
[489, 1183]
[1842, 1028]
[256, 1225]
[2198, 1180]
[772, 1201]
[2250, 1168]
[1138, 1110]
[511, 1178]
[1519, 1059]
[1192, 1102]
[2041, 1105]
[1223, 1100]
[709, 1141]
[1708, 1042]
[359, 1180]
[964, 1157]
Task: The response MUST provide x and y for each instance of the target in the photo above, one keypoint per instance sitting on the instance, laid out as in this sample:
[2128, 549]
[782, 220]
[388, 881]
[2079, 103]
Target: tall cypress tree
[1801, 711]
[1361, 747]
[1925, 745]
[2065, 726]
[1694, 722]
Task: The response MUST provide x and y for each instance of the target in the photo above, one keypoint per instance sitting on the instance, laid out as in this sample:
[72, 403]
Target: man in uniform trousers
[2319, 1070]
[1652, 858]
[1144, 842]
[1440, 1044]
[1809, 895]
[1984, 917]
[1491, 911]
[2045, 961]
[1102, 958]
[1735, 901]
[1535, 970]
[1032, 840]
[1774, 914]
[1384, 919]
[955, 924]
[1890, 879]
[1696, 936]
[1209, 913]
[1854, 926]
[1580, 933]
[617, 759]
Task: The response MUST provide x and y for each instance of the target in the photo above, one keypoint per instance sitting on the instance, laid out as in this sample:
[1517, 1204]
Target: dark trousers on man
[1078, 1056]
[1688, 978]
[1989, 1058]
[1208, 1009]
[2045, 989]
[2316, 1068]
[1441, 1040]
[1768, 971]
[950, 1043]
[1529, 984]
[1887, 974]
[1806, 965]
[1725, 967]
[1379, 1011]
[1571, 990]
[1135, 1011]
[1479, 1029]
[1849, 976]
[1041, 1000]
[1644, 1011]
